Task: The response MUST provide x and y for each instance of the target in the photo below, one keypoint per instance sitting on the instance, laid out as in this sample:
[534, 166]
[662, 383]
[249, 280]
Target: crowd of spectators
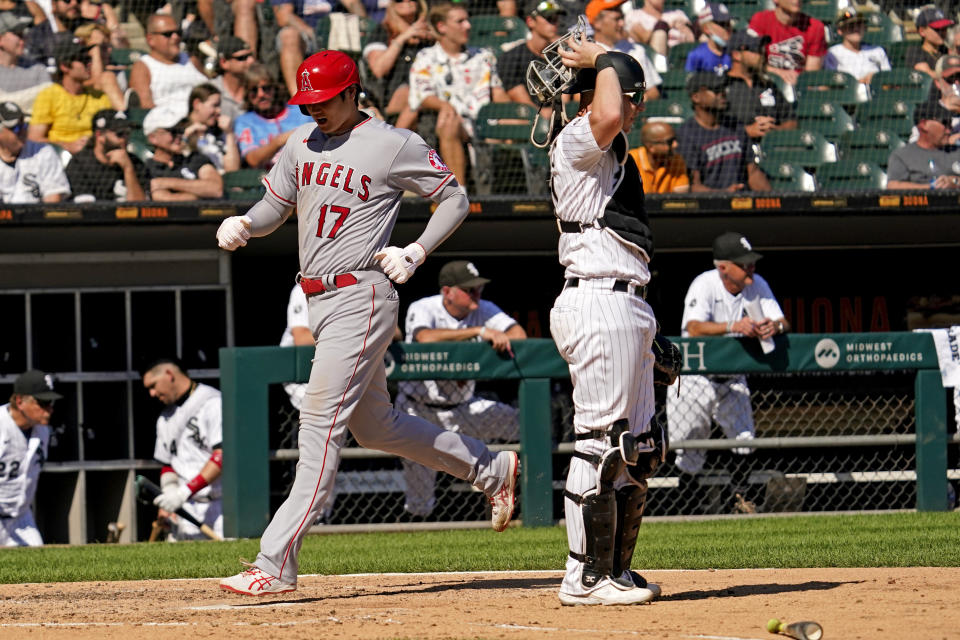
[216, 97]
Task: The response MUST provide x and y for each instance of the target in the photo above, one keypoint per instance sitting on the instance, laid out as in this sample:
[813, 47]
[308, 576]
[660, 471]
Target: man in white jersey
[456, 314]
[189, 436]
[604, 328]
[729, 300]
[24, 439]
[346, 174]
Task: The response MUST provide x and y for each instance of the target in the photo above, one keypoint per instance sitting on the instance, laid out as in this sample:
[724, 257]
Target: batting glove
[234, 232]
[172, 497]
[399, 264]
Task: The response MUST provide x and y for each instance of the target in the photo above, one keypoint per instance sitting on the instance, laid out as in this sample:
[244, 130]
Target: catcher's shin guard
[599, 529]
[630, 502]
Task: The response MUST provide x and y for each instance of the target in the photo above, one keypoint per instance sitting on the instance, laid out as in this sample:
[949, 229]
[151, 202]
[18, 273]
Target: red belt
[310, 287]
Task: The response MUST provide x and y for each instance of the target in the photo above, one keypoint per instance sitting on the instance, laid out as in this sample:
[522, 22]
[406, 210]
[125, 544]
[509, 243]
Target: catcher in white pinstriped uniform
[604, 328]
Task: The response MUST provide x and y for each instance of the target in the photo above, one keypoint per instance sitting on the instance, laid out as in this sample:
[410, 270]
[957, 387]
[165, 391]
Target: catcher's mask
[547, 78]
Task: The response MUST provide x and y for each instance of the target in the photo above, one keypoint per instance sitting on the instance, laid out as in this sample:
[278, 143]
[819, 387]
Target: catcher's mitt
[667, 361]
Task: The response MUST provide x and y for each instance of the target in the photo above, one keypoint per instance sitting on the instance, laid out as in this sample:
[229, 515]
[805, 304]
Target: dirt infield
[907, 604]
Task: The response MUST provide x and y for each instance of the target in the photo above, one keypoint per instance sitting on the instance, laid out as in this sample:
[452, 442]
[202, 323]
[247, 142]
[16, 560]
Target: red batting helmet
[324, 75]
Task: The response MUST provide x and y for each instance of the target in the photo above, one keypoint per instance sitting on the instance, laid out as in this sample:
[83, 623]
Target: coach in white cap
[30, 171]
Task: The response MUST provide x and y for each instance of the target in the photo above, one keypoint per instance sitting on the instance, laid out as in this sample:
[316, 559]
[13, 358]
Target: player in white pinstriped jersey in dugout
[604, 328]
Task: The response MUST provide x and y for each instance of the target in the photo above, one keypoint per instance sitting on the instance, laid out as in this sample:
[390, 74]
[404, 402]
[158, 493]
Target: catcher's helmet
[324, 75]
[628, 71]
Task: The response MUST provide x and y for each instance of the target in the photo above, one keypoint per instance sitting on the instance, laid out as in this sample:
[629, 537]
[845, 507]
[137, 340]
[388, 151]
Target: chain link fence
[824, 442]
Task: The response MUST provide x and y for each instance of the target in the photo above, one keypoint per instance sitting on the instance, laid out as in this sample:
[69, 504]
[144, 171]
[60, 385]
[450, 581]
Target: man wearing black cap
[104, 170]
[24, 439]
[29, 171]
[925, 164]
[235, 57]
[753, 101]
[456, 314]
[543, 18]
[63, 112]
[729, 300]
[718, 158]
[932, 26]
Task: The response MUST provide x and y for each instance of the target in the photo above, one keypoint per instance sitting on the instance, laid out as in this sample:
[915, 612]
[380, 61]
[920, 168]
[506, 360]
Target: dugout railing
[248, 372]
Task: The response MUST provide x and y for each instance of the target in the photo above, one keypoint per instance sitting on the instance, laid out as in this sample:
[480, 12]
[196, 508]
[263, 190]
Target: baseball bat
[807, 630]
[147, 491]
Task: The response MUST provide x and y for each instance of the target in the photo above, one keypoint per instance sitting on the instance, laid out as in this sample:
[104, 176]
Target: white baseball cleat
[639, 581]
[504, 500]
[608, 593]
[254, 582]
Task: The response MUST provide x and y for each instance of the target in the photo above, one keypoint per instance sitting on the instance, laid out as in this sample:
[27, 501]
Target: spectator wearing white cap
[20, 81]
[711, 55]
[852, 55]
[29, 171]
[174, 176]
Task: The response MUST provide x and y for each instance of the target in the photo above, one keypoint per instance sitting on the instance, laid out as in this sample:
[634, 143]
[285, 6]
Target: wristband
[601, 62]
[661, 26]
[483, 330]
[199, 482]
[730, 326]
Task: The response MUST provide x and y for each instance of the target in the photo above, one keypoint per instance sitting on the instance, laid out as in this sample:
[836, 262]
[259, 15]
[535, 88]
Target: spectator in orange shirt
[662, 169]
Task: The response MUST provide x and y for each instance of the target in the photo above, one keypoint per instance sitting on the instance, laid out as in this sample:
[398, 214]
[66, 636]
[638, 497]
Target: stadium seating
[803, 147]
[897, 52]
[674, 84]
[836, 87]
[787, 89]
[666, 110]
[786, 176]
[881, 29]
[677, 57]
[907, 85]
[828, 118]
[868, 144]
[851, 175]
[243, 184]
[494, 31]
[894, 116]
[502, 130]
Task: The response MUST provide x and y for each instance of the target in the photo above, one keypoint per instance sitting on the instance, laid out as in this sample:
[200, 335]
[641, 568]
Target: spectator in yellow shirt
[662, 169]
[63, 112]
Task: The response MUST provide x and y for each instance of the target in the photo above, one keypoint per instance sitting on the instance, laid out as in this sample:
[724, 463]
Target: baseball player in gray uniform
[188, 445]
[718, 303]
[457, 313]
[24, 441]
[346, 175]
[604, 328]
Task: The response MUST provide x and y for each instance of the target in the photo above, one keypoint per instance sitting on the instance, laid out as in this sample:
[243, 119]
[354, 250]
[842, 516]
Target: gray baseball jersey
[347, 190]
[348, 195]
[604, 335]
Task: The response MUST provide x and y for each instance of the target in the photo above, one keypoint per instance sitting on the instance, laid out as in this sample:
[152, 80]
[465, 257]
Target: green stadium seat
[677, 57]
[869, 145]
[674, 84]
[494, 31]
[847, 175]
[786, 176]
[787, 89]
[502, 132]
[836, 87]
[666, 110]
[881, 29]
[895, 116]
[124, 57]
[897, 52]
[907, 85]
[356, 35]
[823, 10]
[826, 117]
[243, 184]
[799, 146]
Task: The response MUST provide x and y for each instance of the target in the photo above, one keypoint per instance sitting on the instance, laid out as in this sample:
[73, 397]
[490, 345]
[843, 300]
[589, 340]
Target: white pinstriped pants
[605, 338]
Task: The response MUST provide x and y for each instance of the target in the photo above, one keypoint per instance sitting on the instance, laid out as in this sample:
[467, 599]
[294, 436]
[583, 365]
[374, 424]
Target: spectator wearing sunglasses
[543, 18]
[263, 130]
[852, 55]
[20, 79]
[24, 443]
[165, 76]
[754, 102]
[63, 112]
[456, 314]
[29, 171]
[173, 175]
[103, 170]
[235, 57]
[729, 300]
[926, 163]
[711, 55]
[932, 27]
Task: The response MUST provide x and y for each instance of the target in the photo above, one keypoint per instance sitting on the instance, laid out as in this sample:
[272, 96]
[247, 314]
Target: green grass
[884, 540]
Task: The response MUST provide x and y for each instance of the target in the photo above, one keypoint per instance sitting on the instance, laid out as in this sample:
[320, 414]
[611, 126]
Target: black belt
[568, 226]
[622, 286]
[434, 405]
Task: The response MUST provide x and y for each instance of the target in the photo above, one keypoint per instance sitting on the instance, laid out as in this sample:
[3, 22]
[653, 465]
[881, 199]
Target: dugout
[87, 290]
